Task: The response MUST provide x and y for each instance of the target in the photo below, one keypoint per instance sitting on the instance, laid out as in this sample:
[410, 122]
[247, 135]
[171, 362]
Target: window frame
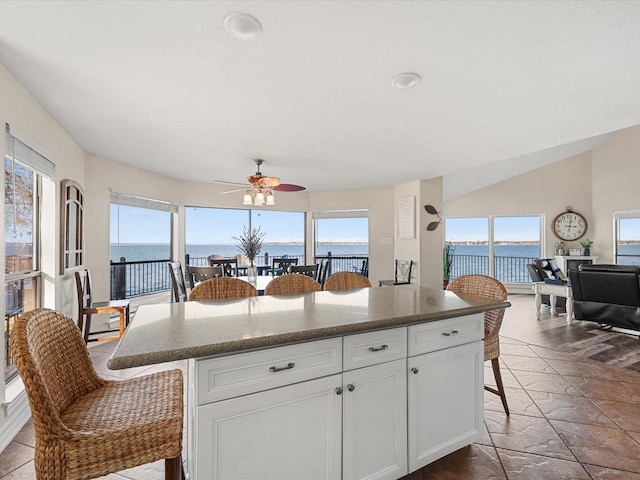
[491, 237]
[40, 167]
[617, 216]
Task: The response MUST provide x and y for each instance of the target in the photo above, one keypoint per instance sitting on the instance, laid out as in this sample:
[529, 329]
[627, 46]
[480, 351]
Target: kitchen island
[371, 383]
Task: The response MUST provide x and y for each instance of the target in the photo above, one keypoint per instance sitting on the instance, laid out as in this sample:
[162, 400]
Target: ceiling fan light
[271, 199]
[247, 199]
[259, 199]
[269, 182]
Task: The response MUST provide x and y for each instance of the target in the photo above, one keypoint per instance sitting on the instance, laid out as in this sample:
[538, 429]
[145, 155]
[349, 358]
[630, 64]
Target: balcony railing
[505, 269]
[358, 263]
[132, 279]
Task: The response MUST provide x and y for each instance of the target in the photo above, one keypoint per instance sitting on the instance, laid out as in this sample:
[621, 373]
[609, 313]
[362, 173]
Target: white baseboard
[16, 414]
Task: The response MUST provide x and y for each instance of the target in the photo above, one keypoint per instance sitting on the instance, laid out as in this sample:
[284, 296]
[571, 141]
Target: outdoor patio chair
[280, 265]
[486, 287]
[322, 272]
[308, 270]
[178, 287]
[402, 273]
[229, 265]
[222, 288]
[86, 426]
[87, 307]
[346, 281]
[200, 274]
[292, 285]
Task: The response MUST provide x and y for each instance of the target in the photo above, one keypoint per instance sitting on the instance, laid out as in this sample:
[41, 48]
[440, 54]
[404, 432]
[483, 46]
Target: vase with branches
[448, 253]
[250, 243]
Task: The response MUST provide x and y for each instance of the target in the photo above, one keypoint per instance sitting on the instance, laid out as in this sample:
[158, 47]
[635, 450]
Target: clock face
[569, 226]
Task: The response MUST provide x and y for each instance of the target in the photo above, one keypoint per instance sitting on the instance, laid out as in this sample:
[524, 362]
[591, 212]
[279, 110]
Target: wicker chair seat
[142, 431]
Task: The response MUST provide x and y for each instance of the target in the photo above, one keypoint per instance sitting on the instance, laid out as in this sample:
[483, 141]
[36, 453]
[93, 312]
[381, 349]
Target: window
[72, 225]
[211, 231]
[343, 236]
[497, 246]
[25, 172]
[141, 232]
[627, 238]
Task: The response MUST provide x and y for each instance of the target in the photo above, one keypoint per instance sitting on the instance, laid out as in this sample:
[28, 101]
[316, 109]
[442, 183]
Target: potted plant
[447, 261]
[586, 244]
[250, 245]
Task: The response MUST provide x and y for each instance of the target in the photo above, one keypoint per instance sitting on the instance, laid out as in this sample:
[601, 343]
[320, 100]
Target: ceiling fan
[259, 188]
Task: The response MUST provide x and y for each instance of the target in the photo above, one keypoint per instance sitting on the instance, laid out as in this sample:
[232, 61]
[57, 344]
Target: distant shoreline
[623, 242]
[265, 243]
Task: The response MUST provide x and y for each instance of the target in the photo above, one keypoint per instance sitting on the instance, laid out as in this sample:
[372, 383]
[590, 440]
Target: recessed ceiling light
[243, 26]
[406, 80]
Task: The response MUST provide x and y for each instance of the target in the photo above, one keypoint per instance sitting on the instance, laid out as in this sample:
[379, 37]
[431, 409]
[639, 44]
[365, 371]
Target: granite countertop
[177, 331]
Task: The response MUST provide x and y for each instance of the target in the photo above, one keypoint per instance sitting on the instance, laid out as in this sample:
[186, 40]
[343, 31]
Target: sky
[217, 225]
[505, 229]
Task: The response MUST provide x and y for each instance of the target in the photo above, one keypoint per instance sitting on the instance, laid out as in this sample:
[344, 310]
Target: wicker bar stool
[86, 426]
[222, 288]
[291, 284]
[487, 287]
[346, 281]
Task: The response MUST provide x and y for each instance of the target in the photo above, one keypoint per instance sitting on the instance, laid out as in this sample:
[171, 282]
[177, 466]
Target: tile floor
[572, 417]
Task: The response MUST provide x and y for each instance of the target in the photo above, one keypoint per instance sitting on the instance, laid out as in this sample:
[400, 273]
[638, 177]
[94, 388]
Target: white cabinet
[288, 433]
[375, 405]
[375, 422]
[445, 401]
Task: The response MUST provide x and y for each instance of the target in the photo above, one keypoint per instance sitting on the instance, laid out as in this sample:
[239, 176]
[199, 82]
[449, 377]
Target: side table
[554, 290]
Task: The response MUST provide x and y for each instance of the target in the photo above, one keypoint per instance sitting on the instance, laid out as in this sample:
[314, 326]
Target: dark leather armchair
[607, 294]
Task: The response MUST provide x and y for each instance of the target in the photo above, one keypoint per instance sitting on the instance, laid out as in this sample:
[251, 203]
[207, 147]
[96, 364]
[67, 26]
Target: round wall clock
[569, 225]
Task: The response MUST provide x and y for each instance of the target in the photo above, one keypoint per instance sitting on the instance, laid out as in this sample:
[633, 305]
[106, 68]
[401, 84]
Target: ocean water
[140, 252]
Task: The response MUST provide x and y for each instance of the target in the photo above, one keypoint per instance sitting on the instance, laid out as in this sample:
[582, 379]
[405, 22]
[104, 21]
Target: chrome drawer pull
[378, 349]
[279, 369]
[351, 387]
[339, 391]
[415, 370]
[448, 334]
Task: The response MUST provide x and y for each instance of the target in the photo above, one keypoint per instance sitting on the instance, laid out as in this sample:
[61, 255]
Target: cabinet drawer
[231, 376]
[432, 336]
[370, 348]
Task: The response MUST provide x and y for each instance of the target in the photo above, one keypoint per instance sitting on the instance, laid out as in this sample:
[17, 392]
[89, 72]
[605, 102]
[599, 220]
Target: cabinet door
[287, 433]
[375, 422]
[445, 400]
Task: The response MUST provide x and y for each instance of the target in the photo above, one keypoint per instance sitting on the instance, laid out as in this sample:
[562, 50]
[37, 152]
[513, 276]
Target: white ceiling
[163, 86]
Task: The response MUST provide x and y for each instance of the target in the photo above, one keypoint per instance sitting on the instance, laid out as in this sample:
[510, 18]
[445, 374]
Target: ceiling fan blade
[288, 187]
[234, 191]
[231, 183]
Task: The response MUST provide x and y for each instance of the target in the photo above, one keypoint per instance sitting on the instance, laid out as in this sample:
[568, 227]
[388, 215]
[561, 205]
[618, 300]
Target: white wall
[103, 175]
[616, 174]
[379, 202]
[596, 184]
[545, 191]
[19, 109]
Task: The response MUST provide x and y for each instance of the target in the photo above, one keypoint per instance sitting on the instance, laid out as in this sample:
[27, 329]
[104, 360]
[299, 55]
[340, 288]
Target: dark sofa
[607, 294]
